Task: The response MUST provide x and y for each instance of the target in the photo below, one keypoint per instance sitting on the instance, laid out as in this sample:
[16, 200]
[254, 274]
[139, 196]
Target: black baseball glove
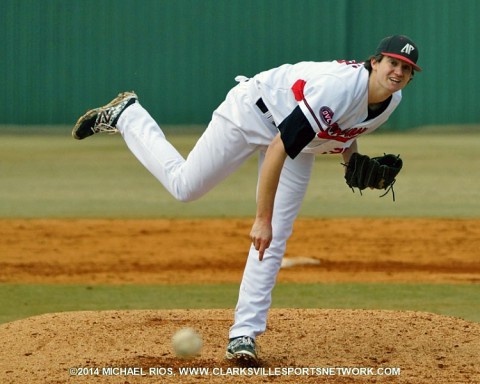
[377, 172]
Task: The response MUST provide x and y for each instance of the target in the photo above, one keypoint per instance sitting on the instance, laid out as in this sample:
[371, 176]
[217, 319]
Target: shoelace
[101, 124]
[243, 340]
[104, 128]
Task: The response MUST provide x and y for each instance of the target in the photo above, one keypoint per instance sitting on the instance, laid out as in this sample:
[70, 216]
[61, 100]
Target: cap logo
[408, 48]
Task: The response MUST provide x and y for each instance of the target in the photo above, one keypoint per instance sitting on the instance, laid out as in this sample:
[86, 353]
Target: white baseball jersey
[332, 98]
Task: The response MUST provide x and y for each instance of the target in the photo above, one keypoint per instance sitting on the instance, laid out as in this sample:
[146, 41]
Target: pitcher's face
[391, 73]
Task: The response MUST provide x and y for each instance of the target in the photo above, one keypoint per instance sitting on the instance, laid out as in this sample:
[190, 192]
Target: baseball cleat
[103, 119]
[242, 349]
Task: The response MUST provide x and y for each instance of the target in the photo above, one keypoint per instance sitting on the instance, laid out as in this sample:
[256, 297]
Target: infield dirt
[427, 348]
[214, 251]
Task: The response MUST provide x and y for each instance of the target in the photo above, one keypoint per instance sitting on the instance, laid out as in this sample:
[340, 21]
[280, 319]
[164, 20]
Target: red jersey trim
[299, 95]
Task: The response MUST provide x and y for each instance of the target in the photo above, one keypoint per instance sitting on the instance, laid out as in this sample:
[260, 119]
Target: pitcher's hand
[261, 235]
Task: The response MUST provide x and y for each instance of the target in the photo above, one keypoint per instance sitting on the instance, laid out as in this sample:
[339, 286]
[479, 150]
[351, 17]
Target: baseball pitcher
[287, 115]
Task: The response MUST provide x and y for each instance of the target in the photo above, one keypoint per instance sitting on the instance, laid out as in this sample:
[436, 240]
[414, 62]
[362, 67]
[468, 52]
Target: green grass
[52, 175]
[20, 301]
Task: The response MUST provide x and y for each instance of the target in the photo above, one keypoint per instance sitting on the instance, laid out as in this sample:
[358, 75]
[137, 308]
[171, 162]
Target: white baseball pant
[236, 131]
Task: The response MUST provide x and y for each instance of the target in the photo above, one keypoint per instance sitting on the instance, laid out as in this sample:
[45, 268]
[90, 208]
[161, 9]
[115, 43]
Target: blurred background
[62, 57]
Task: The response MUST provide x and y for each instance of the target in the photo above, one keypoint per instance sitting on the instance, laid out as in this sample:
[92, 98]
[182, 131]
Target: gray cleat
[103, 119]
[242, 349]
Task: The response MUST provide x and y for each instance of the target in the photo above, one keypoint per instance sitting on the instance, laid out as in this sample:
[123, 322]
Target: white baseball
[187, 343]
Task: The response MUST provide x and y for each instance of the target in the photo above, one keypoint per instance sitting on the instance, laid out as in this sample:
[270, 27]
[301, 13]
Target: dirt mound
[332, 346]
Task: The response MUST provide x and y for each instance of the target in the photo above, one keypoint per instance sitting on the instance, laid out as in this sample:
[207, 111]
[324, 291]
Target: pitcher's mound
[300, 345]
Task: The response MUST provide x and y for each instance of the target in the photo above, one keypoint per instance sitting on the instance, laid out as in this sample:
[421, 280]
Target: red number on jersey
[353, 63]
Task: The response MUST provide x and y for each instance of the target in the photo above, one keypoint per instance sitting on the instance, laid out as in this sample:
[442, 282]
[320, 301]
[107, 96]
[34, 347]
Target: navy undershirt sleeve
[296, 132]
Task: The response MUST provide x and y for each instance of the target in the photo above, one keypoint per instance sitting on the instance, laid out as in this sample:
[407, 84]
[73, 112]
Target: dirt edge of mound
[134, 347]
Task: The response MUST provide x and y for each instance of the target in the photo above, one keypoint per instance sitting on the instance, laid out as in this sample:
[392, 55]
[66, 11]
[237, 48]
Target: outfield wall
[60, 57]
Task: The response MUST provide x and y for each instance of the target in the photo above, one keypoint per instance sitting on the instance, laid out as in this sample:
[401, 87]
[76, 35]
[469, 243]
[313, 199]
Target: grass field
[56, 176]
[53, 176]
[20, 301]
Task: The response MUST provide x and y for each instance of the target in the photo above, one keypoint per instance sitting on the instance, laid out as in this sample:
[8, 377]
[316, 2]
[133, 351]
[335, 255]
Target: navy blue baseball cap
[401, 47]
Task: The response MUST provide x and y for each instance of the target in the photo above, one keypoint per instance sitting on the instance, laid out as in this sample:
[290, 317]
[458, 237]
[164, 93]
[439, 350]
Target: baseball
[187, 343]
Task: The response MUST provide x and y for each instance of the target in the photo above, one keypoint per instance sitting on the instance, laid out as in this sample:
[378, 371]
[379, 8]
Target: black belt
[266, 113]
